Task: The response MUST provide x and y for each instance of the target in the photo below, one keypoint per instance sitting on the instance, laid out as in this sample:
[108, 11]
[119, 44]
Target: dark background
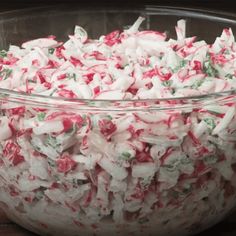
[227, 227]
[224, 5]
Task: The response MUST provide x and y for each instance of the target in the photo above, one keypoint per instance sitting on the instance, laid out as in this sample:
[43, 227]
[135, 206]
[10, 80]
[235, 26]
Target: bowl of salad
[117, 121]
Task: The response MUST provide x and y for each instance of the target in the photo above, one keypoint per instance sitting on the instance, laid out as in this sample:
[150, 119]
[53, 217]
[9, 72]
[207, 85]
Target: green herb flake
[41, 116]
[52, 141]
[5, 73]
[227, 52]
[51, 50]
[3, 53]
[212, 159]
[125, 156]
[167, 83]
[197, 84]
[209, 69]
[71, 76]
[109, 117]
[91, 103]
[145, 182]
[54, 91]
[210, 123]
[181, 65]
[39, 195]
[84, 120]
[229, 76]
[51, 162]
[56, 177]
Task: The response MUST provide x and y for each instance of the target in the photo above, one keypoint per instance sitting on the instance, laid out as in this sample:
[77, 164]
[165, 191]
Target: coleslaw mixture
[154, 171]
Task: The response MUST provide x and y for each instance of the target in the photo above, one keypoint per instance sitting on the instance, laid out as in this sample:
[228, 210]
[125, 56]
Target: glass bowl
[121, 167]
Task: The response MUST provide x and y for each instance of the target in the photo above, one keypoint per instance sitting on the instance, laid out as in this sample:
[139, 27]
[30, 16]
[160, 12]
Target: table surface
[225, 228]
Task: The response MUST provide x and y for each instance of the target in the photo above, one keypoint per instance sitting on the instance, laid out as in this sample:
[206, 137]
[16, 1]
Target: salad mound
[156, 171]
[131, 64]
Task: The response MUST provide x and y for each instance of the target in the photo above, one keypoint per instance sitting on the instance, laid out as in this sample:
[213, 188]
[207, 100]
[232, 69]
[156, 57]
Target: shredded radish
[143, 171]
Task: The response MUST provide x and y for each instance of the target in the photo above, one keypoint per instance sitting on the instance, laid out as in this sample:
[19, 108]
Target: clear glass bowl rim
[118, 105]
